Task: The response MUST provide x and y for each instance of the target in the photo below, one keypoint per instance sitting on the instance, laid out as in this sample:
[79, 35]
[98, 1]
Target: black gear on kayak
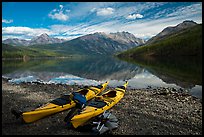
[79, 98]
[97, 103]
[63, 100]
[122, 87]
[80, 104]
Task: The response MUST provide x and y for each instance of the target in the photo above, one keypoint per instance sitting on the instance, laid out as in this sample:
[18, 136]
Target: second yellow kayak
[98, 105]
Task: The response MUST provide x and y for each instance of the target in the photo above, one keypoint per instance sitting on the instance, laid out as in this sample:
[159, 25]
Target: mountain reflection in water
[99, 69]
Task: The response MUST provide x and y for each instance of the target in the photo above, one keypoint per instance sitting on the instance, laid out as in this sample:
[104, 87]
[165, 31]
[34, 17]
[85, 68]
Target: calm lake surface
[183, 73]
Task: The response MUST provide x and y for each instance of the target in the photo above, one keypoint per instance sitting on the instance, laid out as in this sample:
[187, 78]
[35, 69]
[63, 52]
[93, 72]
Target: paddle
[106, 122]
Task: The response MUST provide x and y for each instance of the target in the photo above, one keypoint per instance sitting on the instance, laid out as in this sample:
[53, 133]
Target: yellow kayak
[98, 106]
[60, 104]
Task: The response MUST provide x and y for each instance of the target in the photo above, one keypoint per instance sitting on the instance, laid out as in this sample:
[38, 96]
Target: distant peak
[189, 21]
[123, 32]
[186, 24]
[100, 33]
[44, 35]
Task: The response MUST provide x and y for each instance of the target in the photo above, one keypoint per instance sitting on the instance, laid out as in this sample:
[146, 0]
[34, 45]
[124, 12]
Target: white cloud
[54, 10]
[4, 37]
[61, 7]
[67, 11]
[148, 28]
[59, 14]
[24, 32]
[93, 10]
[134, 16]
[105, 11]
[191, 10]
[6, 21]
[16, 30]
[142, 29]
[118, 21]
[56, 29]
[71, 32]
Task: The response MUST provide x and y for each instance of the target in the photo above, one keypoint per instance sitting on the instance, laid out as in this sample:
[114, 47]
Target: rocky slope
[102, 43]
[45, 39]
[126, 38]
[172, 30]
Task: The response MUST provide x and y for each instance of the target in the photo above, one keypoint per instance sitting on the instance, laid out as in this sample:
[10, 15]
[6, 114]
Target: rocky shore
[161, 111]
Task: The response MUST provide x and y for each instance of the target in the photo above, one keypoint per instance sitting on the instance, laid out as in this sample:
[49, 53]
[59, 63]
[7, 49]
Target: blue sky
[69, 20]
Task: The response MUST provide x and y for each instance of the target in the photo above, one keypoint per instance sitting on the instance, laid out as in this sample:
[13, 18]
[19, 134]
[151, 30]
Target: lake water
[95, 70]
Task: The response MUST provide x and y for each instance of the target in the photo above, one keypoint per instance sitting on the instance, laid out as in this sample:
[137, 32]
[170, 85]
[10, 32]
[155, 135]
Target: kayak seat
[63, 100]
[83, 91]
[97, 103]
[122, 87]
[112, 93]
[99, 86]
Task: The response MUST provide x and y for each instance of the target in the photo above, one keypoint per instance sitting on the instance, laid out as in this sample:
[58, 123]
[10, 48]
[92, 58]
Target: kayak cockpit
[111, 94]
[63, 100]
[97, 103]
[83, 91]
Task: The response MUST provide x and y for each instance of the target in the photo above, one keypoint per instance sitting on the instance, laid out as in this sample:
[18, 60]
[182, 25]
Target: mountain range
[98, 43]
[101, 43]
[125, 38]
[42, 39]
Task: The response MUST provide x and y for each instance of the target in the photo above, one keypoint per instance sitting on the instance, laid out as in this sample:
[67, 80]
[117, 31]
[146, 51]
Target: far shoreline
[166, 90]
[33, 58]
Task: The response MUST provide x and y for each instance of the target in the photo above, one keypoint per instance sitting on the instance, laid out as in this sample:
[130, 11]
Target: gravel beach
[161, 111]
